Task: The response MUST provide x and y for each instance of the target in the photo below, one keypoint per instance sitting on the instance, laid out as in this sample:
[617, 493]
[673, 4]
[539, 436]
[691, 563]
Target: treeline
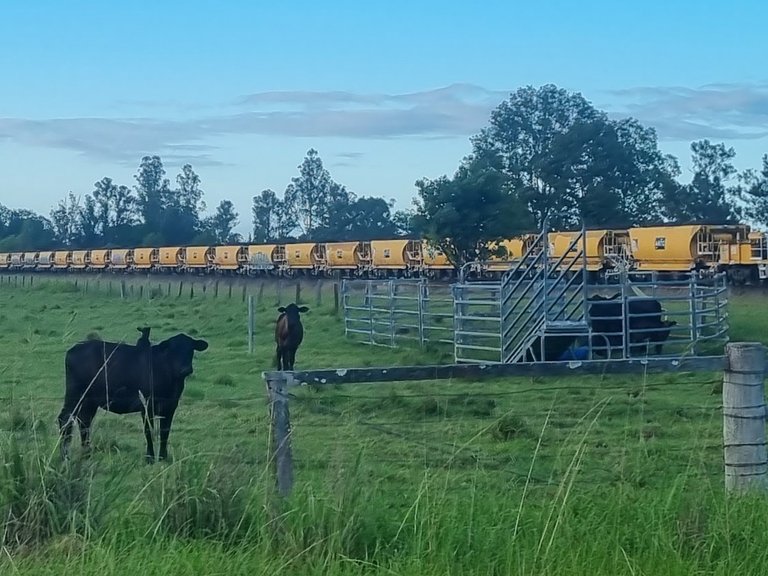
[545, 152]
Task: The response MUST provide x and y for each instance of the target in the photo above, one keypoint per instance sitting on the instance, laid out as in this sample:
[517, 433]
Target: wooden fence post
[277, 384]
[746, 462]
[298, 292]
[250, 324]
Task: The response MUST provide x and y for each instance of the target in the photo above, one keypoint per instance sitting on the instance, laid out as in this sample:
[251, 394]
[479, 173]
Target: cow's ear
[303, 309]
[201, 345]
[281, 309]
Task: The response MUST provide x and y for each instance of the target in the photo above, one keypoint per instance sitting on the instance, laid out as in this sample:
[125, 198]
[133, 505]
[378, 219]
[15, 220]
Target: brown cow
[288, 335]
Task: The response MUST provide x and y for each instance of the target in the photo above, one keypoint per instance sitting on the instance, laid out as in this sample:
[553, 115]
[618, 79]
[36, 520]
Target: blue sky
[387, 92]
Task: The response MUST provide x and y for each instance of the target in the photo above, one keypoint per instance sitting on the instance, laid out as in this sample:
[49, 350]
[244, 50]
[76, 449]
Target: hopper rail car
[665, 250]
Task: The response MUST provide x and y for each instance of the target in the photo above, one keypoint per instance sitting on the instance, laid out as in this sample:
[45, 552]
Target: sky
[386, 92]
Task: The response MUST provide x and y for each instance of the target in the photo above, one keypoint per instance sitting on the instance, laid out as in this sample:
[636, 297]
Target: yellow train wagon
[264, 258]
[604, 248]
[62, 259]
[681, 248]
[395, 256]
[348, 257]
[306, 257]
[80, 259]
[434, 262]
[30, 260]
[99, 259]
[121, 259]
[5, 260]
[229, 258]
[17, 260]
[170, 258]
[199, 258]
[745, 260]
[144, 259]
[45, 260]
[514, 249]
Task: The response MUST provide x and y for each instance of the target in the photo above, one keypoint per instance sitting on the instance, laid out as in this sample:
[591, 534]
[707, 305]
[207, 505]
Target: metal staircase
[544, 302]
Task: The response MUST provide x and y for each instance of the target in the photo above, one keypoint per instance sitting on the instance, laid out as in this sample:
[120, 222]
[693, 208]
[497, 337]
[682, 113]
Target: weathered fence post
[250, 324]
[298, 291]
[277, 384]
[746, 462]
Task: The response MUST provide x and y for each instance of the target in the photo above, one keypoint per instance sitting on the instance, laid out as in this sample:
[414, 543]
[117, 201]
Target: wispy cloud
[723, 111]
[458, 110]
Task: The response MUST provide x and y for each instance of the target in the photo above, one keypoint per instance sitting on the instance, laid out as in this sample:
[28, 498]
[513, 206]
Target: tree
[223, 222]
[65, 221]
[265, 213]
[189, 195]
[708, 197]
[88, 221]
[755, 194]
[153, 191]
[566, 159]
[369, 218]
[24, 230]
[115, 209]
[314, 197]
[522, 132]
[404, 222]
[463, 214]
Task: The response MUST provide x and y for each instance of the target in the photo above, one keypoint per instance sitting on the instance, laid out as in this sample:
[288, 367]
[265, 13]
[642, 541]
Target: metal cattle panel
[661, 317]
[477, 322]
[396, 311]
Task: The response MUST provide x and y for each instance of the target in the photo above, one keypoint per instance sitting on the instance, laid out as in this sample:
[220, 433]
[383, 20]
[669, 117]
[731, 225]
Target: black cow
[289, 334]
[644, 318]
[125, 379]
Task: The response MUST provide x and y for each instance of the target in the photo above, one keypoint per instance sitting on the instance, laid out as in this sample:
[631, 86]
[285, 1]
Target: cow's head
[292, 311]
[144, 332]
[177, 353]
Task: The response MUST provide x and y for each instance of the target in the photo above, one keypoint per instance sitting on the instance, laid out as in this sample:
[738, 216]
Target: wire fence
[400, 431]
[624, 430]
[277, 291]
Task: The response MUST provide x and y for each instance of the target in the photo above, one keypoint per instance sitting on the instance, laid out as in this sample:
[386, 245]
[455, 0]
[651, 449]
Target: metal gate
[385, 312]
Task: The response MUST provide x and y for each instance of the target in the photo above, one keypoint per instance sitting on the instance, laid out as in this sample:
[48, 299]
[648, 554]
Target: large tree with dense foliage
[464, 213]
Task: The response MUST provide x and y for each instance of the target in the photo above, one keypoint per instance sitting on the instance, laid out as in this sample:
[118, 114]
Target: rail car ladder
[543, 302]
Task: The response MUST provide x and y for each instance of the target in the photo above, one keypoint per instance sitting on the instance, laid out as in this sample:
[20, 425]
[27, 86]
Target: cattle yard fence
[513, 319]
[397, 312]
[742, 369]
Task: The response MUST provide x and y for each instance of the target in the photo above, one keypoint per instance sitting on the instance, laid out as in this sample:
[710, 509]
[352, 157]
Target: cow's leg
[279, 358]
[66, 421]
[291, 358]
[84, 420]
[166, 420]
[148, 417]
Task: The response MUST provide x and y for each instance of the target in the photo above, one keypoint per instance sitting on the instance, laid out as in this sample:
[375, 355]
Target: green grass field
[585, 475]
